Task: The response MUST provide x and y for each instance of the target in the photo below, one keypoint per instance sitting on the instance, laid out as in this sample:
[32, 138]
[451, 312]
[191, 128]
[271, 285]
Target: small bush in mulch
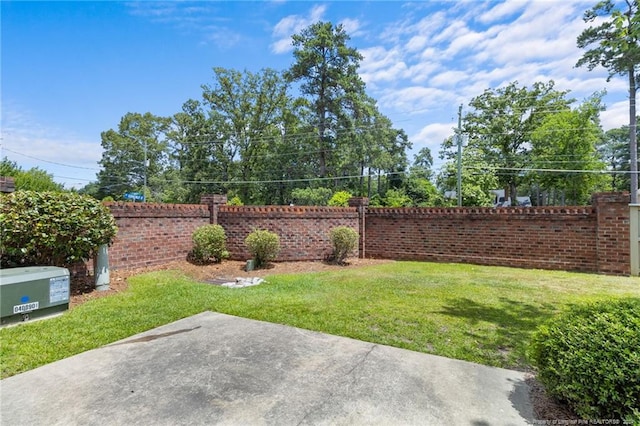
[344, 241]
[209, 245]
[264, 246]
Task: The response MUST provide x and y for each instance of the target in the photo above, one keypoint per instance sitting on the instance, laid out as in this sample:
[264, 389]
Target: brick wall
[153, 234]
[612, 239]
[303, 231]
[590, 239]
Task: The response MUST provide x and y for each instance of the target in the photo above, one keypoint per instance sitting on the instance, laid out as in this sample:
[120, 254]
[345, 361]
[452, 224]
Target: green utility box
[33, 292]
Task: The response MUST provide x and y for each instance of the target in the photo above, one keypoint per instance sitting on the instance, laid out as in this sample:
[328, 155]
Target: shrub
[344, 241]
[235, 201]
[340, 199]
[311, 196]
[209, 244]
[52, 228]
[263, 245]
[589, 358]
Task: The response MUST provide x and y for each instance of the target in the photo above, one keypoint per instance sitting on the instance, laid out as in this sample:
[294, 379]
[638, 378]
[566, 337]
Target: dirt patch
[546, 407]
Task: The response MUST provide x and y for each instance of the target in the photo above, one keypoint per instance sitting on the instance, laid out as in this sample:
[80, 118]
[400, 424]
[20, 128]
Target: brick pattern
[566, 238]
[153, 234]
[613, 239]
[591, 239]
[7, 184]
[303, 231]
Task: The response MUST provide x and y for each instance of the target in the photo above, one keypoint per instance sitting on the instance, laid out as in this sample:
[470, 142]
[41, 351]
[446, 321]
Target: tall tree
[501, 122]
[133, 155]
[327, 69]
[615, 45]
[565, 146]
[614, 151]
[478, 178]
[247, 111]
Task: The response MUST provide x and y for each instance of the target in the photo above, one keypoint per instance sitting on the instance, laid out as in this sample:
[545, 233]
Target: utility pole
[459, 142]
[144, 188]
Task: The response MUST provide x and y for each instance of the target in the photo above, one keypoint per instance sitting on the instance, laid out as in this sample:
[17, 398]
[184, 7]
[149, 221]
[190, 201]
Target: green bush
[52, 228]
[311, 196]
[340, 199]
[344, 241]
[590, 358]
[209, 244]
[235, 201]
[263, 245]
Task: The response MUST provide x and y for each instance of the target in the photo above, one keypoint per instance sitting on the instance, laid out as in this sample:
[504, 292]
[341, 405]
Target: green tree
[327, 69]
[133, 155]
[196, 153]
[478, 179]
[501, 123]
[614, 151]
[247, 112]
[615, 45]
[34, 179]
[567, 140]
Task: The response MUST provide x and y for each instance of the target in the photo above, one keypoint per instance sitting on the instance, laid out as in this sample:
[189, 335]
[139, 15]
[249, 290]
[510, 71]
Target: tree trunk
[633, 143]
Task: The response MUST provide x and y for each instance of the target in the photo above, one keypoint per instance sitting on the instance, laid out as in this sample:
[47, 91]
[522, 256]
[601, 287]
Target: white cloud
[616, 115]
[72, 161]
[293, 24]
[351, 26]
[501, 10]
[417, 99]
[416, 43]
[432, 136]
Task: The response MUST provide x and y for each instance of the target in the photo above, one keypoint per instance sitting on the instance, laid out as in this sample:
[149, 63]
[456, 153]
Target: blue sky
[71, 70]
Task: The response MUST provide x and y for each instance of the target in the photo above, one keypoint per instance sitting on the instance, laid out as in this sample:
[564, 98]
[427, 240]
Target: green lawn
[474, 313]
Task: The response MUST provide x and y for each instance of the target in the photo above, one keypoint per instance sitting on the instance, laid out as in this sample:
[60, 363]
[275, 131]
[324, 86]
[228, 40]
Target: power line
[50, 162]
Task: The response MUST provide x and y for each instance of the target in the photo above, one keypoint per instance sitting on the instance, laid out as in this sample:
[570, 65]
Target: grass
[474, 313]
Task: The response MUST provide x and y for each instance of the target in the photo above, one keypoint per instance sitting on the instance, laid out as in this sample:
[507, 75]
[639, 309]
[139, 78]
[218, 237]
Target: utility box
[33, 292]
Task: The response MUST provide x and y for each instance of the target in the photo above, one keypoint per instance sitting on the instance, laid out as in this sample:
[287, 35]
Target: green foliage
[614, 44]
[589, 357]
[209, 244]
[31, 180]
[500, 124]
[572, 136]
[263, 245]
[478, 179]
[340, 199]
[344, 241]
[311, 196]
[139, 137]
[48, 228]
[235, 201]
[397, 198]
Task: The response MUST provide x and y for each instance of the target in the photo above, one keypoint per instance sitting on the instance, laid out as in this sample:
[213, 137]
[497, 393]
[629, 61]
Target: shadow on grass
[512, 323]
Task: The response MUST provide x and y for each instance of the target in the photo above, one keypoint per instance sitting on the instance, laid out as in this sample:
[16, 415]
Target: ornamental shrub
[52, 228]
[311, 196]
[209, 244]
[340, 199]
[590, 358]
[344, 241]
[263, 245]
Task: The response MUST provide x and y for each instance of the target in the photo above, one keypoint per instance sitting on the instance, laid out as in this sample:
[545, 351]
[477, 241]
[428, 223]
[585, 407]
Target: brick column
[361, 204]
[7, 184]
[612, 232]
[214, 201]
